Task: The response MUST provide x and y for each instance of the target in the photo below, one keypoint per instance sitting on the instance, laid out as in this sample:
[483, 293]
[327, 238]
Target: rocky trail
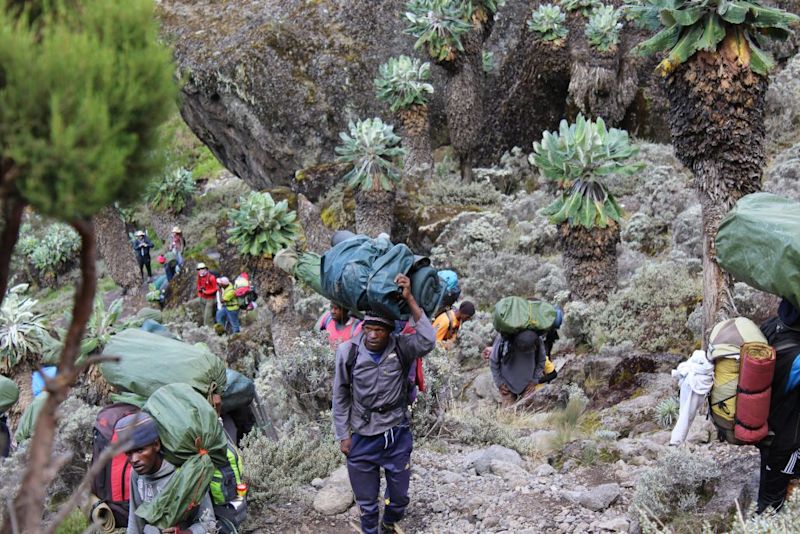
[495, 489]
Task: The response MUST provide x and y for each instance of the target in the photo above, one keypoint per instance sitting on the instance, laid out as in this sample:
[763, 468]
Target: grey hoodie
[513, 370]
[376, 384]
[144, 488]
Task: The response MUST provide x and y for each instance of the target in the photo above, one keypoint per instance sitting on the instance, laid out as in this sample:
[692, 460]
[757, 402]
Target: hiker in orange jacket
[207, 288]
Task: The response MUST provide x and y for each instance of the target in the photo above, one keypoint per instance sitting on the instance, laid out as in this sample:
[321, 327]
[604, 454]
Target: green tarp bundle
[359, 274]
[759, 244]
[9, 393]
[515, 314]
[28, 419]
[307, 270]
[193, 439]
[149, 361]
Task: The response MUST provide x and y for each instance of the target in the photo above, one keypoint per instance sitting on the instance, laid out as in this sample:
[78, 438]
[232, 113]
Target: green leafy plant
[439, 24]
[667, 412]
[103, 323]
[487, 61]
[262, 227]
[577, 157]
[172, 191]
[403, 82]
[55, 250]
[549, 22]
[585, 6]
[689, 26]
[602, 30]
[22, 331]
[373, 149]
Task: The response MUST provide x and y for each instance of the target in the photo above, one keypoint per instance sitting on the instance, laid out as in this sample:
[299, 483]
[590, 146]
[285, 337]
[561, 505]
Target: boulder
[597, 498]
[336, 496]
[481, 459]
[269, 84]
[544, 470]
[511, 473]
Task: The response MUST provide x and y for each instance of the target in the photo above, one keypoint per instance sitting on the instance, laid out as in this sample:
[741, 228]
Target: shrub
[74, 436]
[403, 82]
[451, 190]
[513, 173]
[568, 422]
[666, 413]
[306, 373]
[652, 311]
[439, 24]
[771, 522]
[487, 278]
[677, 474]
[473, 336]
[429, 410]
[22, 331]
[277, 468]
[602, 30]
[373, 149]
[103, 323]
[482, 426]
[548, 21]
[171, 192]
[261, 227]
[51, 251]
[585, 6]
[646, 234]
[577, 158]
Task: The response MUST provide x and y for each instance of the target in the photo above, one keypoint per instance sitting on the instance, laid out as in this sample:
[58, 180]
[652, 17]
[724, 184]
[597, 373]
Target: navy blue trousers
[392, 452]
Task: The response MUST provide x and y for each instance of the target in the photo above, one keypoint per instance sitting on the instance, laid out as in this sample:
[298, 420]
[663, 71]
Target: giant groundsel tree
[403, 83]
[373, 149]
[84, 86]
[577, 158]
[453, 32]
[715, 77]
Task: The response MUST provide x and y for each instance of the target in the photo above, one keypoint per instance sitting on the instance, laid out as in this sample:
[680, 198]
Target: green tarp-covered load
[193, 439]
[759, 244]
[359, 274]
[9, 393]
[150, 361]
[515, 314]
[28, 420]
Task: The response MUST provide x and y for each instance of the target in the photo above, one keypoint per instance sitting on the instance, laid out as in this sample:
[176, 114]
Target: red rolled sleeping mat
[756, 369]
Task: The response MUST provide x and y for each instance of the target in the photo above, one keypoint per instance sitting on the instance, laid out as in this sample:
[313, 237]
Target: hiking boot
[391, 528]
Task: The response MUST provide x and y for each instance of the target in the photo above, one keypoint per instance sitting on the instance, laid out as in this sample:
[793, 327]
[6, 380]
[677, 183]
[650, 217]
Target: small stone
[597, 498]
[336, 496]
[317, 483]
[615, 524]
[544, 470]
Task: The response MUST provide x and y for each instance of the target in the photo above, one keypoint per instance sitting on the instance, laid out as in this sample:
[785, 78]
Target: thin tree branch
[29, 503]
[13, 209]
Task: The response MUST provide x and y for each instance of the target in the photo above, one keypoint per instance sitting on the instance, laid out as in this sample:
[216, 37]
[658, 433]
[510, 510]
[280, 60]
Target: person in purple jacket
[370, 410]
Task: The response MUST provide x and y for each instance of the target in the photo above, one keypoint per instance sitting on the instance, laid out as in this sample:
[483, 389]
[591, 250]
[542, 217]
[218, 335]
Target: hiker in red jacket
[339, 325]
[207, 290]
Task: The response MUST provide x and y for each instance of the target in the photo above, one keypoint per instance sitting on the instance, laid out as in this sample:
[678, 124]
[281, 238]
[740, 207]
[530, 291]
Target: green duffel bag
[515, 314]
[9, 393]
[148, 361]
[759, 244]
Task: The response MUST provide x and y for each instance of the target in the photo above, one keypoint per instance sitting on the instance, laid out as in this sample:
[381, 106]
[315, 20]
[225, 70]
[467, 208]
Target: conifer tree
[84, 85]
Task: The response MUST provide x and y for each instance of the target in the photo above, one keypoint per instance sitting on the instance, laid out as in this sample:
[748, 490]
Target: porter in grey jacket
[377, 385]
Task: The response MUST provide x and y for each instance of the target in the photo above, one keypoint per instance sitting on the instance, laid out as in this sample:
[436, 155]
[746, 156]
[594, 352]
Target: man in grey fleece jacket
[517, 365]
[151, 472]
[370, 416]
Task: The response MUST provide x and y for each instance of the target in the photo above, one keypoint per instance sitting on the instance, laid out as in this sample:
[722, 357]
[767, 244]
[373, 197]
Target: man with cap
[517, 365]
[142, 246]
[207, 288]
[151, 473]
[178, 245]
[448, 322]
[780, 452]
[370, 410]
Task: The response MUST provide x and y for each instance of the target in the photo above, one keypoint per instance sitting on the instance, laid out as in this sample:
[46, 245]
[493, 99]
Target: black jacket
[784, 410]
